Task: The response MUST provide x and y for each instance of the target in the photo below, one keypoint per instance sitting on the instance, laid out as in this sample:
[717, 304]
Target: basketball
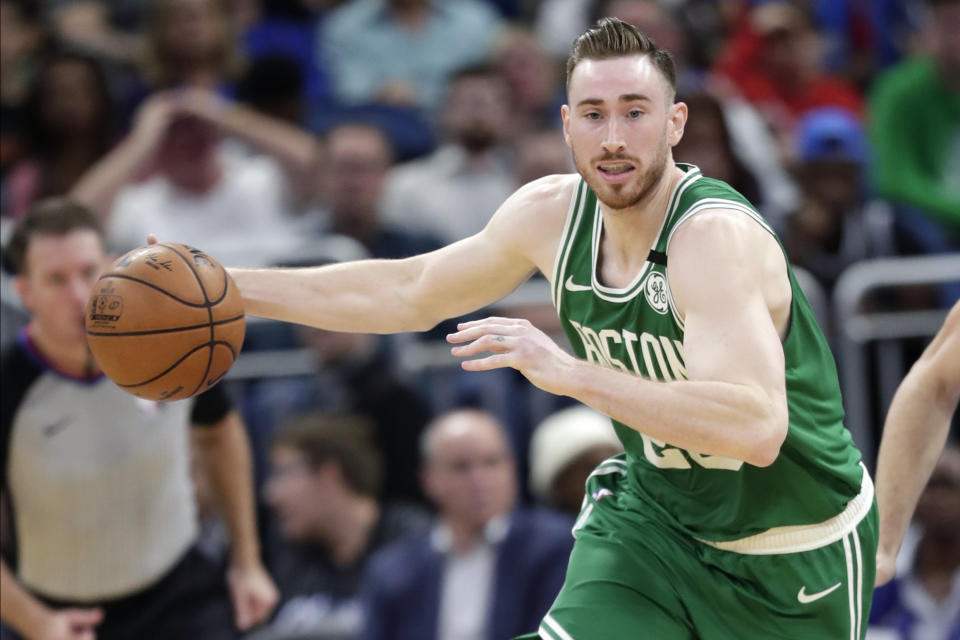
[165, 322]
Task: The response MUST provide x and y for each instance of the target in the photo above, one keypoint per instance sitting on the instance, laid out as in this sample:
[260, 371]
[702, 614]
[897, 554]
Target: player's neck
[627, 229]
[68, 356]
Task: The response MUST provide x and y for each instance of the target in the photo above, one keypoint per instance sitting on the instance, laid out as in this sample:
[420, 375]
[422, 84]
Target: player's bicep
[485, 267]
[716, 280]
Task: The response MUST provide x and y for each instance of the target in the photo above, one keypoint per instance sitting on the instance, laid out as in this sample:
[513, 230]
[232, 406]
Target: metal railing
[857, 328]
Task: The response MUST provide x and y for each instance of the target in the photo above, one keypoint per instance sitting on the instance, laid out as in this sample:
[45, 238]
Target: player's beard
[626, 194]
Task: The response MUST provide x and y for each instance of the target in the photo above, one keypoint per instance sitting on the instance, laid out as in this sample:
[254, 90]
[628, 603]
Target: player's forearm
[713, 418]
[225, 454]
[369, 296]
[18, 608]
[913, 436]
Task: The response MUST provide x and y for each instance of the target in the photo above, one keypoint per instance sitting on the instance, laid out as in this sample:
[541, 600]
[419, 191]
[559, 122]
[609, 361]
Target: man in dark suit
[485, 570]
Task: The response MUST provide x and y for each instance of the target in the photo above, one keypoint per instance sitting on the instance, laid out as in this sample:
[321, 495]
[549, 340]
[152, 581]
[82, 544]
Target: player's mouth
[615, 171]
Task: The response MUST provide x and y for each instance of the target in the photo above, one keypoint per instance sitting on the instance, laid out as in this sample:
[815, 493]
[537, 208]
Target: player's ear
[676, 121]
[565, 116]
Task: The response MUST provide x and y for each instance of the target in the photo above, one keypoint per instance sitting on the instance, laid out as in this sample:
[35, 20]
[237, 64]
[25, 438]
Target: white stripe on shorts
[851, 586]
[859, 559]
[556, 628]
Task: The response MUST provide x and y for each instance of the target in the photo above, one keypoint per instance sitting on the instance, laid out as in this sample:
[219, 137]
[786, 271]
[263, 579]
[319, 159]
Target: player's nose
[613, 141]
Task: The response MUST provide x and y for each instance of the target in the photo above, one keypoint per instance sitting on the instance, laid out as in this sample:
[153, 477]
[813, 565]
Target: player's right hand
[70, 624]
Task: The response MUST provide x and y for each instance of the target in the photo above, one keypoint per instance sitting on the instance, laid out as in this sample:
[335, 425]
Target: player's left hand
[516, 343]
[253, 594]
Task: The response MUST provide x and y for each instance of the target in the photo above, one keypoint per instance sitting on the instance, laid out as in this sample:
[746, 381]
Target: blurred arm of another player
[35, 621]
[224, 451]
[913, 437]
[416, 293]
[728, 278]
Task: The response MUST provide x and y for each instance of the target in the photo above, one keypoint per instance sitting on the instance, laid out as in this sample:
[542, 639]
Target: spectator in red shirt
[775, 58]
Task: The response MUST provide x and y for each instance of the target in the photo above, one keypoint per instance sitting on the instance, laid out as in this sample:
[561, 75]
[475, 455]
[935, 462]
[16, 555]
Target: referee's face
[59, 275]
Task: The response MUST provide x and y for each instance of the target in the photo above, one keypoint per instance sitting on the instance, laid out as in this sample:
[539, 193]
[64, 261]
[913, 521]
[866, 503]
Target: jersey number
[663, 457]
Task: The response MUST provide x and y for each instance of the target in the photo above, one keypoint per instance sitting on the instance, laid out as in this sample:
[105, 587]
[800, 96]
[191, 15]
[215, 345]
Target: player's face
[471, 477]
[621, 123]
[60, 274]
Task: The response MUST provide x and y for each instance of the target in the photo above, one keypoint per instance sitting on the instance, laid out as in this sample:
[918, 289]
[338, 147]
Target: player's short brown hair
[48, 217]
[614, 38]
[339, 438]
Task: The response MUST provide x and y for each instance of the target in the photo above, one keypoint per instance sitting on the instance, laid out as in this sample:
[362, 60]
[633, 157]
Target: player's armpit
[727, 275]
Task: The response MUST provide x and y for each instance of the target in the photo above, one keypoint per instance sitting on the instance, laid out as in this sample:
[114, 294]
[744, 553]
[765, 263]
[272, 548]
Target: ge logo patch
[655, 289]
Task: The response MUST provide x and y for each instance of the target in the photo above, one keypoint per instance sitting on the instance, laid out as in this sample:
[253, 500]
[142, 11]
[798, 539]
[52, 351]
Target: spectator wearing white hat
[565, 448]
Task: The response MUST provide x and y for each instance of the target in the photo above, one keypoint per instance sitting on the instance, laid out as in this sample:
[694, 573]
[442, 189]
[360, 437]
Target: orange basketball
[165, 322]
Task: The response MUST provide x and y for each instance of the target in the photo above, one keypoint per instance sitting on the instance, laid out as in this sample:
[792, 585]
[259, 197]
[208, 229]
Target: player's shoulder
[548, 194]
[722, 227]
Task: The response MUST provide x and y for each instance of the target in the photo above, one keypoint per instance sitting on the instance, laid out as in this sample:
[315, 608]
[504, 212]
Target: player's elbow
[771, 433]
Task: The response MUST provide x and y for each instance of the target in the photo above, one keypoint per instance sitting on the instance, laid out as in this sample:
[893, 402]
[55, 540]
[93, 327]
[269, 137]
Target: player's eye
[634, 113]
[592, 115]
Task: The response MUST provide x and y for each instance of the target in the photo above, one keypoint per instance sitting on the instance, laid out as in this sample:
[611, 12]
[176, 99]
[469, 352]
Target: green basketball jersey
[638, 330]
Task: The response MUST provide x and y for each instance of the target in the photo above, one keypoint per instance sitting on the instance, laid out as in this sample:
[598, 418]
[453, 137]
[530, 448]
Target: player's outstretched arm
[913, 437]
[414, 294]
[726, 274]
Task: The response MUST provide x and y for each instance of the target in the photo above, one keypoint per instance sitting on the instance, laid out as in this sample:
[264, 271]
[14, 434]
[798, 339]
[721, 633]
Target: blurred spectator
[774, 58]
[21, 37]
[915, 132]
[533, 77]
[107, 29]
[358, 160]
[111, 472]
[454, 191]
[565, 449]
[923, 601]
[191, 42]
[402, 52]
[202, 192]
[706, 143]
[70, 124]
[837, 224]
[354, 375]
[541, 153]
[486, 570]
[287, 29]
[324, 488]
[273, 85]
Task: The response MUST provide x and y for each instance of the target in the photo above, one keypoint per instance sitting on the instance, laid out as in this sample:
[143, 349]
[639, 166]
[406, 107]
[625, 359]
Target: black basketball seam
[202, 305]
[203, 290]
[175, 364]
[120, 334]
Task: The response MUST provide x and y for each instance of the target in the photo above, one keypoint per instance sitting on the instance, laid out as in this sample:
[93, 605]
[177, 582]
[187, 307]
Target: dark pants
[190, 602]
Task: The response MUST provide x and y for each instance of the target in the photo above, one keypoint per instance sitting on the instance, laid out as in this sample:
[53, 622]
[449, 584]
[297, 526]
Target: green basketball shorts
[632, 576]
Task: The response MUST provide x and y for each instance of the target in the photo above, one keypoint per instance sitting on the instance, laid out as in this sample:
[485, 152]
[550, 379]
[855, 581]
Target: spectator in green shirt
[915, 132]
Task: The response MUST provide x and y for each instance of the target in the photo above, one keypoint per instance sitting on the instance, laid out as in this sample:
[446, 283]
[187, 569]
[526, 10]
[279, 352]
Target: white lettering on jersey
[668, 356]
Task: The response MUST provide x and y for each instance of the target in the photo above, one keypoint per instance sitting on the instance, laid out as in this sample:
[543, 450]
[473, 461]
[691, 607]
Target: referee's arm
[224, 451]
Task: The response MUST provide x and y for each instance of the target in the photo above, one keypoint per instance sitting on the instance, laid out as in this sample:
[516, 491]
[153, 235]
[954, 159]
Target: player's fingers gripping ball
[165, 322]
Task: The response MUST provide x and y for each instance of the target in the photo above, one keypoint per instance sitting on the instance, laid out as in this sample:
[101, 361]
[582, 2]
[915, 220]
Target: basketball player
[913, 437]
[98, 480]
[740, 508]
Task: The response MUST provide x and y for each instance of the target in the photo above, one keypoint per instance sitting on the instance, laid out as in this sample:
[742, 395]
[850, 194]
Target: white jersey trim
[570, 226]
[799, 538]
[625, 294]
[701, 205]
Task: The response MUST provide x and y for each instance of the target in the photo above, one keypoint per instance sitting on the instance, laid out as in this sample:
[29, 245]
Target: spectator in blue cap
[838, 223]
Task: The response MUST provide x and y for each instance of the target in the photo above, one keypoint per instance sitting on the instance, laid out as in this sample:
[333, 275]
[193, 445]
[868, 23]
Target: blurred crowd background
[299, 132]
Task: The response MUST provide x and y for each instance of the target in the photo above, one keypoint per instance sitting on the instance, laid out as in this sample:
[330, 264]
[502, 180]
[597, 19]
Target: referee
[98, 480]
